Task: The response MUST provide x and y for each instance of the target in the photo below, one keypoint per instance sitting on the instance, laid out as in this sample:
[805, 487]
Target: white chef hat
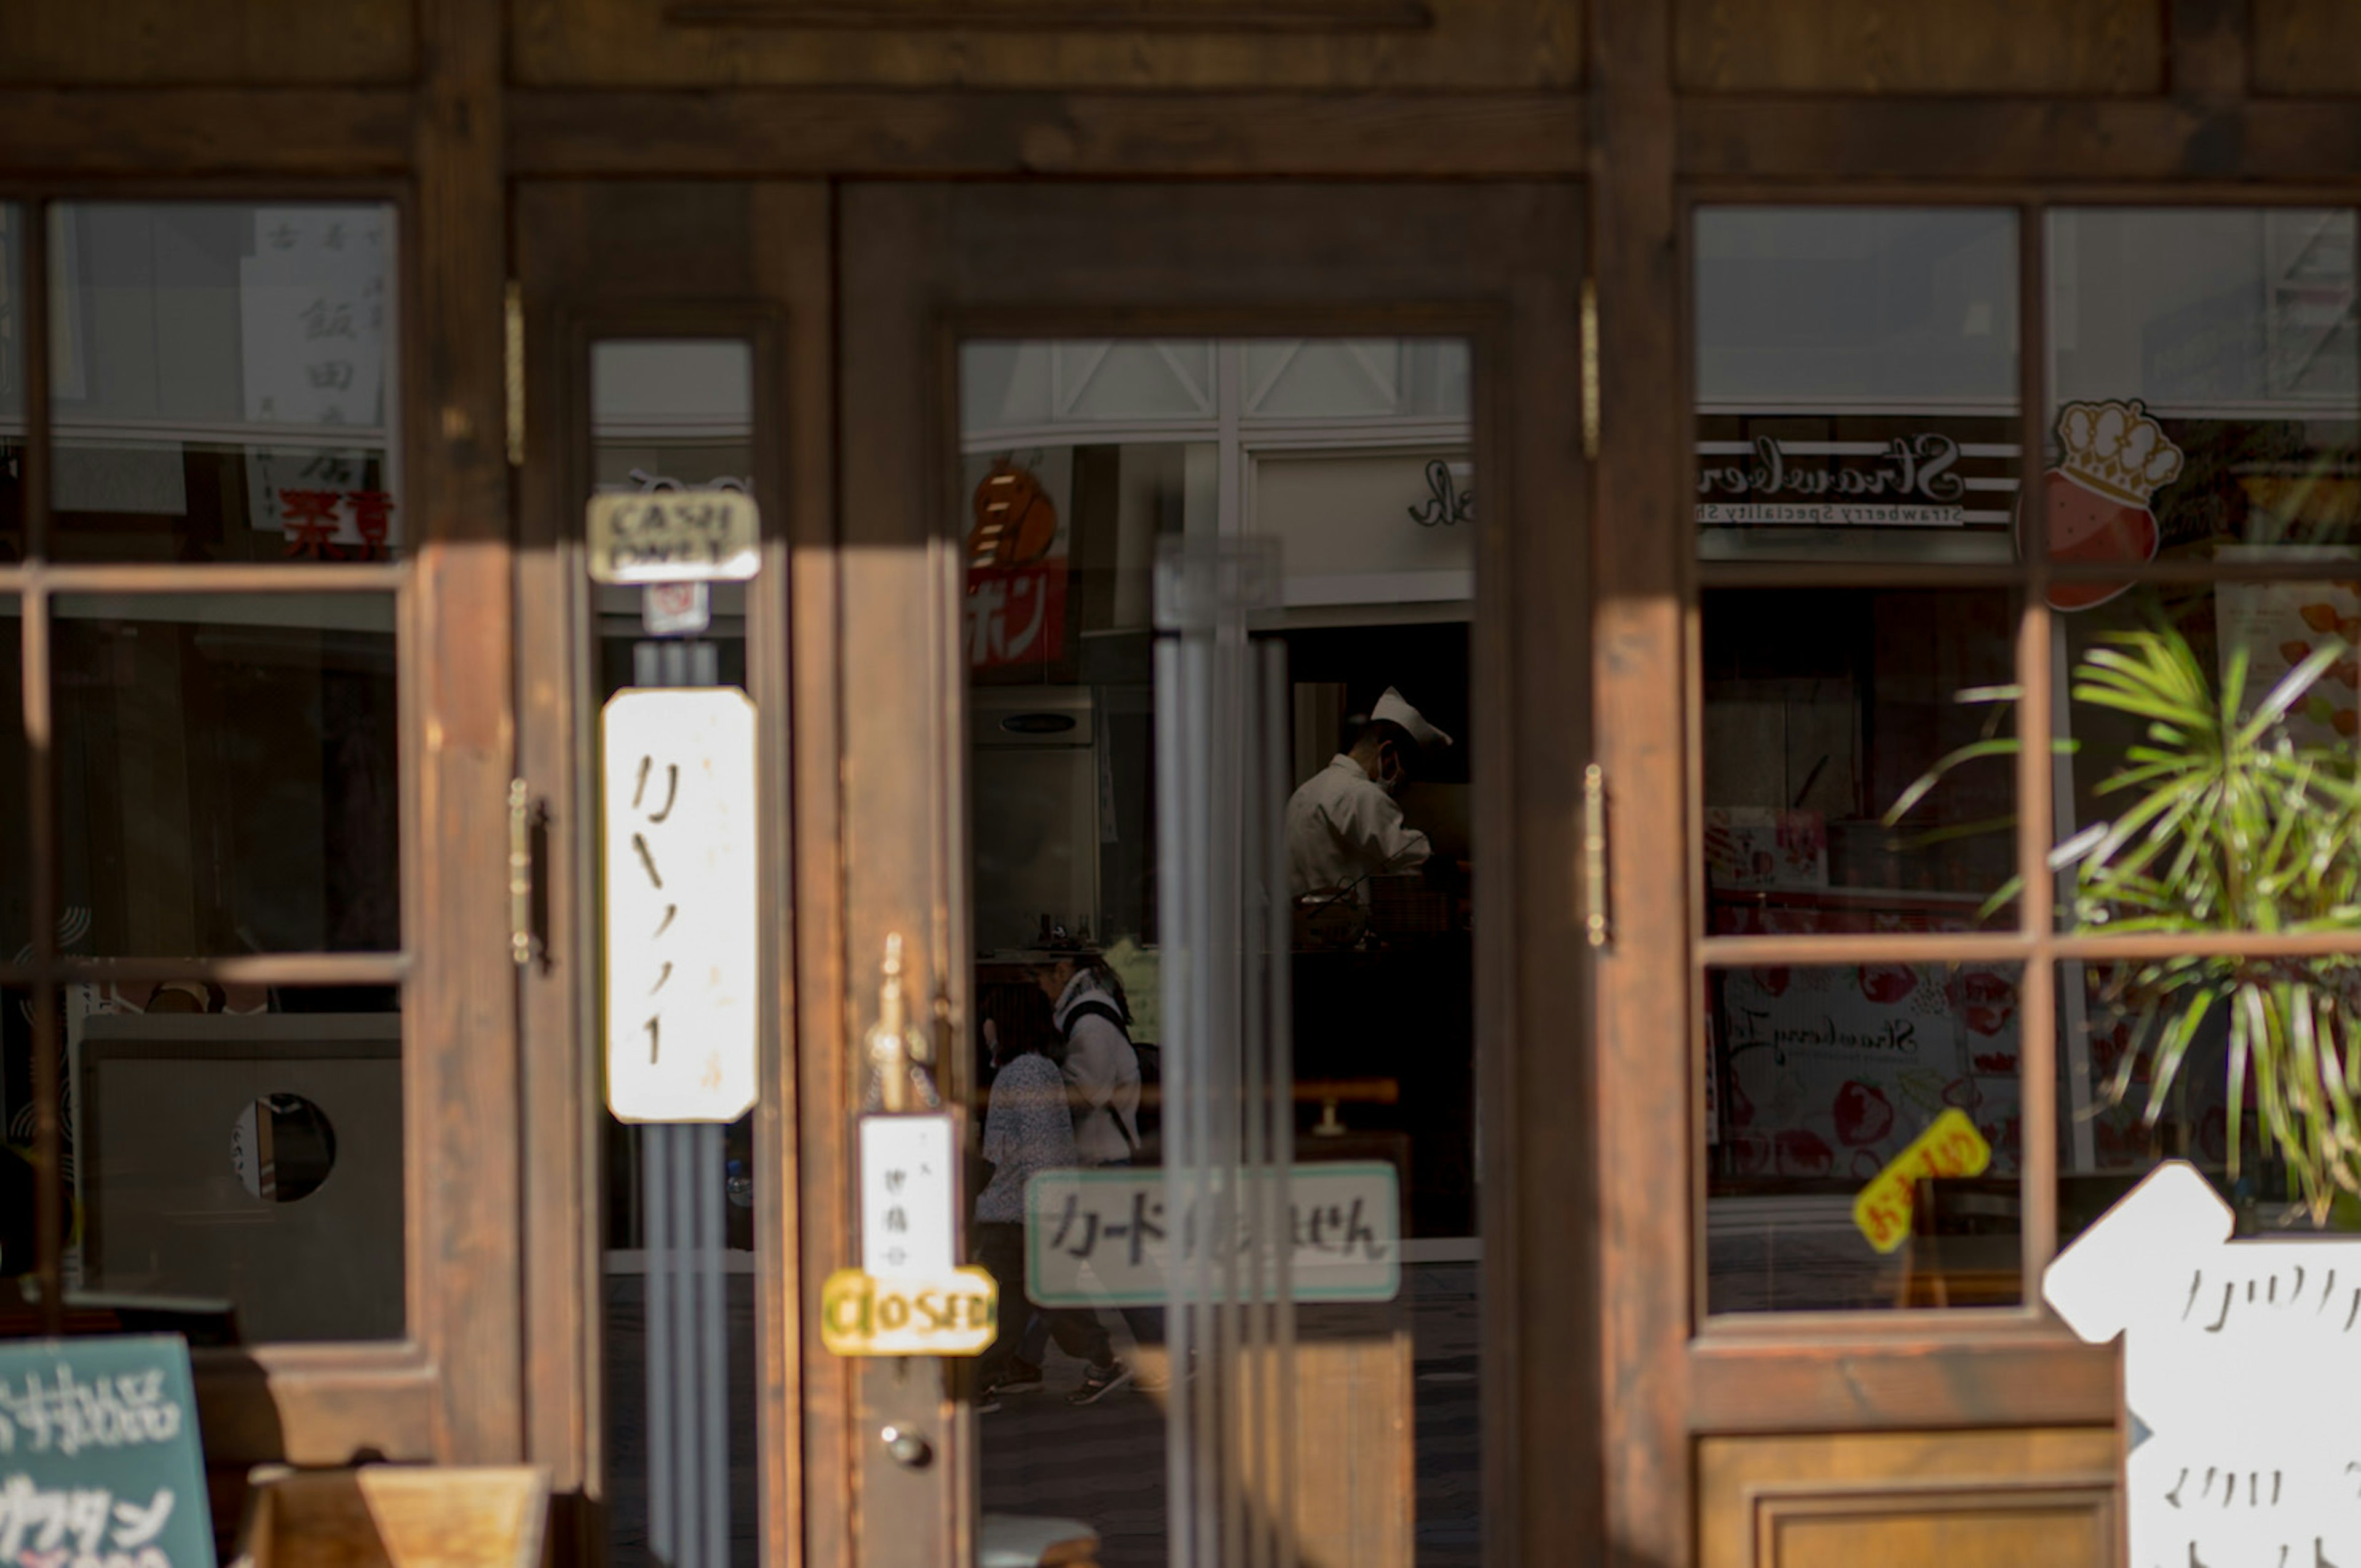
[1394, 709]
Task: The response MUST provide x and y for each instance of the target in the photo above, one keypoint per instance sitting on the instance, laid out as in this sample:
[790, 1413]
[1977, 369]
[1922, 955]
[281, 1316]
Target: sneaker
[1022, 1377]
[1098, 1382]
[986, 1402]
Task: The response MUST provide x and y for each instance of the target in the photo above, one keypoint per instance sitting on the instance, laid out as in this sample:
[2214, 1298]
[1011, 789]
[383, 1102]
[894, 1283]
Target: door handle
[520, 873]
[1594, 856]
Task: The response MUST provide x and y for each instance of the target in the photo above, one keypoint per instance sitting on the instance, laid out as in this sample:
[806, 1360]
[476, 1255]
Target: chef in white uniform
[1343, 825]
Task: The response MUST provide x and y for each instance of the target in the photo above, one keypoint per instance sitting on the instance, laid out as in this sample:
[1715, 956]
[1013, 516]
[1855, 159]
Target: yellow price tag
[1950, 1146]
[956, 1313]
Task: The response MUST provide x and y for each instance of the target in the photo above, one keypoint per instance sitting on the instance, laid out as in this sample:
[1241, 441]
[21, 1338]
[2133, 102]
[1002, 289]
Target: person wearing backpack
[1089, 1010]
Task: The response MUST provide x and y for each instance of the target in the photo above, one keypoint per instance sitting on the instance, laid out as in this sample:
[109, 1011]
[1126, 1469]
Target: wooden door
[945, 287]
[677, 334]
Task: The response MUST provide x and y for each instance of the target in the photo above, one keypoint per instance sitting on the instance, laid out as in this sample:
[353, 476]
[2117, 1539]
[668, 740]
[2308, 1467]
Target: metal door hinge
[513, 366]
[520, 873]
[1594, 856]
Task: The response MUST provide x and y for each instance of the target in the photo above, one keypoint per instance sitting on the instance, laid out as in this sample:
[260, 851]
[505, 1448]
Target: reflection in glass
[1822, 709]
[236, 1158]
[1856, 383]
[223, 382]
[1078, 461]
[228, 772]
[2203, 376]
[11, 383]
[1818, 1079]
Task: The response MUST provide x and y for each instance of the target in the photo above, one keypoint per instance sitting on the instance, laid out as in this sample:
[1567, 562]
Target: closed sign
[956, 1312]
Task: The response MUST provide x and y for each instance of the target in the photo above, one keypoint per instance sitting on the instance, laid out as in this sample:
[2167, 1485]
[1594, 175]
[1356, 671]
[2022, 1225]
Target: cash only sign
[680, 820]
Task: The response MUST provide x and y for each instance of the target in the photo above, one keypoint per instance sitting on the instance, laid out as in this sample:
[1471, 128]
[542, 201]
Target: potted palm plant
[2221, 821]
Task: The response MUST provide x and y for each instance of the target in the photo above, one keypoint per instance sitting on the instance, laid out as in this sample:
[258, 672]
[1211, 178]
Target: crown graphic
[2116, 449]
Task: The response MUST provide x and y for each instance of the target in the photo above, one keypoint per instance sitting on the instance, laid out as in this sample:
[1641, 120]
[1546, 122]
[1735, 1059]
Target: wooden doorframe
[925, 266]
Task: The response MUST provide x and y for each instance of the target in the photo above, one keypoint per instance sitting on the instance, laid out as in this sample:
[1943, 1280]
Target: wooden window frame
[317, 1402]
[1768, 1371]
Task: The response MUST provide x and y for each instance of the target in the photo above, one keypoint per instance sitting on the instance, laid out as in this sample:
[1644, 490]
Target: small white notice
[683, 976]
[1108, 1237]
[908, 1195]
[2242, 1371]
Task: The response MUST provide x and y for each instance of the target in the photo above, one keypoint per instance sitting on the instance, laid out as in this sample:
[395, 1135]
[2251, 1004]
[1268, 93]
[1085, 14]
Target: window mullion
[40, 794]
[2037, 996]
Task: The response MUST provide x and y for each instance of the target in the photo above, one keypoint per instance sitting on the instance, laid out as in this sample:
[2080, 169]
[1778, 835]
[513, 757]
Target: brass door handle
[520, 873]
[1594, 856]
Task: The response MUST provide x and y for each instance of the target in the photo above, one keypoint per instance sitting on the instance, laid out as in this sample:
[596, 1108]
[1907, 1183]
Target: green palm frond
[2223, 822]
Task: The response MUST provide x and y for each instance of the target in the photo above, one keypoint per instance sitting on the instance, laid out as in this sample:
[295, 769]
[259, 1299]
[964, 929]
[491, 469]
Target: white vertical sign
[908, 1194]
[2241, 1372]
[683, 978]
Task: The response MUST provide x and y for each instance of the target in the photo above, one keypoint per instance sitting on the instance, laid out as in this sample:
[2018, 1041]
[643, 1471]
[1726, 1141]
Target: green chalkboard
[99, 1461]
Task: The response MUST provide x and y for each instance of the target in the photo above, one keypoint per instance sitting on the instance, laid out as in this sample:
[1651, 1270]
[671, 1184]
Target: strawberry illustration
[1861, 1114]
[1989, 1002]
[1887, 984]
[1803, 1151]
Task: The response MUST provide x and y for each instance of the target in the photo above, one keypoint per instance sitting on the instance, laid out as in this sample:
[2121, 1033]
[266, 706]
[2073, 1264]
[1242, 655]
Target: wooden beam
[465, 1184]
[2025, 143]
[169, 133]
[750, 132]
[1645, 1083]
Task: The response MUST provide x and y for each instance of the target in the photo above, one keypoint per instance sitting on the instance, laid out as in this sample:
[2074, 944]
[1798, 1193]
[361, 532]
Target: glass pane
[2156, 690]
[235, 1158]
[1856, 383]
[2203, 377]
[2126, 1105]
[1063, 527]
[680, 1202]
[1826, 1085]
[223, 382]
[1825, 710]
[229, 772]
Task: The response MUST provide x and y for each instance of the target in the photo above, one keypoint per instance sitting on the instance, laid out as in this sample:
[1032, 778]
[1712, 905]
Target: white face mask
[1391, 782]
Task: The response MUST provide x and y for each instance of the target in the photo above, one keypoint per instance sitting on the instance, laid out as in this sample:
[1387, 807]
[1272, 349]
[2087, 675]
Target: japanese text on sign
[660, 536]
[1109, 1237]
[680, 873]
[907, 1195]
[2242, 1367]
[1950, 1146]
[99, 1467]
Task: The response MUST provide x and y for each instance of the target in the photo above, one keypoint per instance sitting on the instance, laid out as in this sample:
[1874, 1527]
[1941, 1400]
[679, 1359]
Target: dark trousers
[1000, 1252]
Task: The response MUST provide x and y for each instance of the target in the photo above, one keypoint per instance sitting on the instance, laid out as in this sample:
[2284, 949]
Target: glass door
[1188, 553]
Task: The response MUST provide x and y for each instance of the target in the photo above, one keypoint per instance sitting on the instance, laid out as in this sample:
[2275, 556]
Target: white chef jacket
[1342, 827]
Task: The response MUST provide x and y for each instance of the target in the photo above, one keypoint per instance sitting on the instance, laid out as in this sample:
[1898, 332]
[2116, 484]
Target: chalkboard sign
[99, 1459]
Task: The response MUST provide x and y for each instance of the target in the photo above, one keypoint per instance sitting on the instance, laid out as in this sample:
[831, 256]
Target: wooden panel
[265, 43]
[1744, 1382]
[2027, 1498]
[2307, 46]
[1049, 43]
[1919, 46]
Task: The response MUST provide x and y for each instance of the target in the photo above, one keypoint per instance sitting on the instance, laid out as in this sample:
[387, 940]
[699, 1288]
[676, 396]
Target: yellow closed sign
[862, 1313]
